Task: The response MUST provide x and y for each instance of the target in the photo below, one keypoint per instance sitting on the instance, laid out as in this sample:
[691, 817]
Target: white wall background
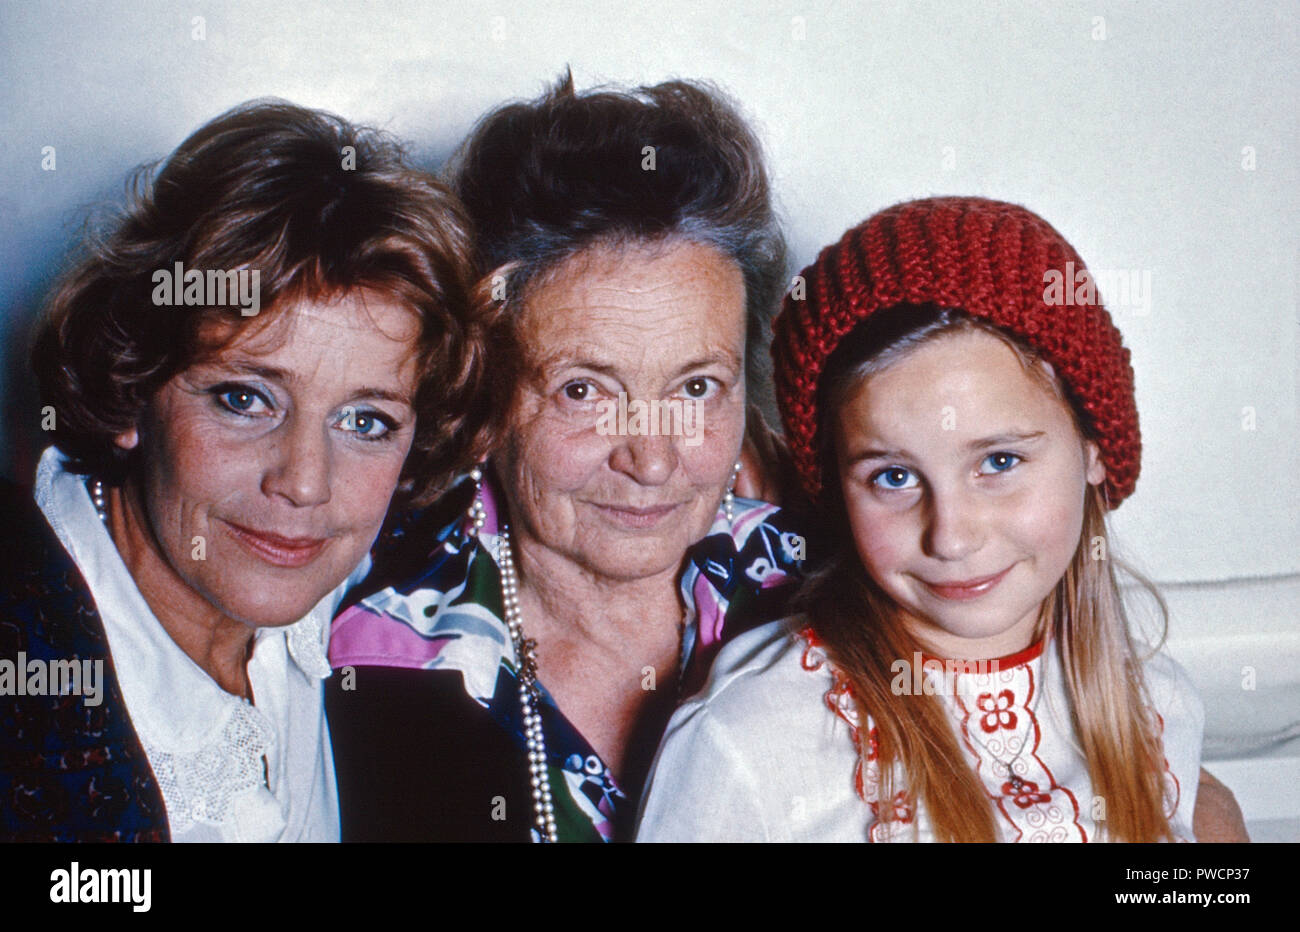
[1157, 138]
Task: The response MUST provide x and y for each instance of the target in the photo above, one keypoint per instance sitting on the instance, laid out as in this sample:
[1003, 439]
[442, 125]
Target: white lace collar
[205, 745]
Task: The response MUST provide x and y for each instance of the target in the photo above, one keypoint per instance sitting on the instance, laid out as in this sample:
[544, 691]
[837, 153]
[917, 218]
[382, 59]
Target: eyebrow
[271, 373]
[1012, 437]
[720, 358]
[561, 362]
[874, 454]
[285, 377]
[383, 394]
[996, 440]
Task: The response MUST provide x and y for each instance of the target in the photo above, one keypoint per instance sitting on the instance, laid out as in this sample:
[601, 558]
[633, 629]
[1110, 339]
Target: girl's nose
[954, 527]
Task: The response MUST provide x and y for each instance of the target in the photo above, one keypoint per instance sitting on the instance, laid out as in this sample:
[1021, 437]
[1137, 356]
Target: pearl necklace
[99, 500]
[529, 696]
[526, 661]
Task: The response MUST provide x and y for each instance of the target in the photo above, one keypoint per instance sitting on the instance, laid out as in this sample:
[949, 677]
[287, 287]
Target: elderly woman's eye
[698, 387]
[578, 391]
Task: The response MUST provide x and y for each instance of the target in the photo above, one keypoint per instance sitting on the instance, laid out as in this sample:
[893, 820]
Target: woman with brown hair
[234, 377]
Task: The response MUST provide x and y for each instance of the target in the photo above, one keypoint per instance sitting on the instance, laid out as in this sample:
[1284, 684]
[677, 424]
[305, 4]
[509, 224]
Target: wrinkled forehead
[360, 314]
[636, 304]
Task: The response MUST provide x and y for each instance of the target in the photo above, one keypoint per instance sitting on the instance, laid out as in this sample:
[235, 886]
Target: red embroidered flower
[902, 808]
[1024, 793]
[814, 652]
[997, 711]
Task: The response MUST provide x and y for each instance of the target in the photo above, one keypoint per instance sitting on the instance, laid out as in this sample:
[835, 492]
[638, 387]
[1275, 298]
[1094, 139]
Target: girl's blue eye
[894, 478]
[1000, 462]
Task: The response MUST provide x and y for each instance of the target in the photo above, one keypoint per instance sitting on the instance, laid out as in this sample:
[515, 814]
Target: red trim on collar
[1032, 652]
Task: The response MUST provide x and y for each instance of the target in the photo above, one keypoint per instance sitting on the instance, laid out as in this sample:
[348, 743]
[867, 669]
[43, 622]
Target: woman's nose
[299, 467]
[954, 525]
[650, 460]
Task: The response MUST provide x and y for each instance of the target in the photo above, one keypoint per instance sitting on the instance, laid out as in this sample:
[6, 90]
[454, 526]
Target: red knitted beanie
[987, 258]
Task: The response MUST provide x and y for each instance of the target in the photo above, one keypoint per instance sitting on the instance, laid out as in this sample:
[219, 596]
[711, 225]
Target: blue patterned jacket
[69, 771]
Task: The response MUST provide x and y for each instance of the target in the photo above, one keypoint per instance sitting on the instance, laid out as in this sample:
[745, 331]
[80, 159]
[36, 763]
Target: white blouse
[206, 746]
[766, 751]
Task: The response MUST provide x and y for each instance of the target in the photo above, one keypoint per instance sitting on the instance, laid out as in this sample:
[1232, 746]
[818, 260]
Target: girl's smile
[966, 589]
[964, 476]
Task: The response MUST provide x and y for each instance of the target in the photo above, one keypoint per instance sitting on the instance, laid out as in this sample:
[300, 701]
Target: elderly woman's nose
[298, 464]
[650, 460]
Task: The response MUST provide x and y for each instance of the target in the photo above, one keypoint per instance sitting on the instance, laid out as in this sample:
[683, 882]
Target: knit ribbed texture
[987, 258]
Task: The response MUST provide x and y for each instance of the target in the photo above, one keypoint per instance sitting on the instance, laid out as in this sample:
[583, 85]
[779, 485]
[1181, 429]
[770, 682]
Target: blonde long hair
[1083, 619]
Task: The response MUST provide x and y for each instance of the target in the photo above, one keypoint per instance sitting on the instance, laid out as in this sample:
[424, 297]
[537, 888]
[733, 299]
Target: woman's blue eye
[240, 399]
[1000, 462]
[894, 478]
[368, 425]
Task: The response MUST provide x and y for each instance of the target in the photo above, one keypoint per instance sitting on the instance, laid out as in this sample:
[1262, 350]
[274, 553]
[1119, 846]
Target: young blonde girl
[960, 409]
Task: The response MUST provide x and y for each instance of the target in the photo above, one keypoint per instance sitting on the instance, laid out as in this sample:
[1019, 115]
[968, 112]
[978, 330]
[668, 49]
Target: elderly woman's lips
[290, 552]
[637, 517]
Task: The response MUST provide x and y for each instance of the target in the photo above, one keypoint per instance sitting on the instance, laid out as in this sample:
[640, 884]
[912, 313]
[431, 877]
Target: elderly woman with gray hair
[512, 672]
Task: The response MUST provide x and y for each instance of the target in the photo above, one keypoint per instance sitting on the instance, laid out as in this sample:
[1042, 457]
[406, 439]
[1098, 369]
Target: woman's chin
[629, 560]
[625, 551]
[269, 614]
[262, 601]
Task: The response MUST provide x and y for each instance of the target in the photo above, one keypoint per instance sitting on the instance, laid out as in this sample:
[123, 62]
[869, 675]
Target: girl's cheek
[881, 539]
[1051, 520]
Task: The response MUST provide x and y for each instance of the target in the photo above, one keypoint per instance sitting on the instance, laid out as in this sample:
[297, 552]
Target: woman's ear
[128, 439]
[1096, 470]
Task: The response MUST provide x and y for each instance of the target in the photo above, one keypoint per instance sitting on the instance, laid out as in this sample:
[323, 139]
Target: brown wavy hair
[1083, 620]
[319, 207]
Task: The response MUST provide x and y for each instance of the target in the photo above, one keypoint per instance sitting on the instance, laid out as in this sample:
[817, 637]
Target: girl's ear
[1096, 470]
[128, 439]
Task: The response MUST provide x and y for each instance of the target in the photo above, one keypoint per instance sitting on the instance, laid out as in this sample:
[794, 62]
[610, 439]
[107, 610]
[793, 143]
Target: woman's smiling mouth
[636, 518]
[287, 552]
